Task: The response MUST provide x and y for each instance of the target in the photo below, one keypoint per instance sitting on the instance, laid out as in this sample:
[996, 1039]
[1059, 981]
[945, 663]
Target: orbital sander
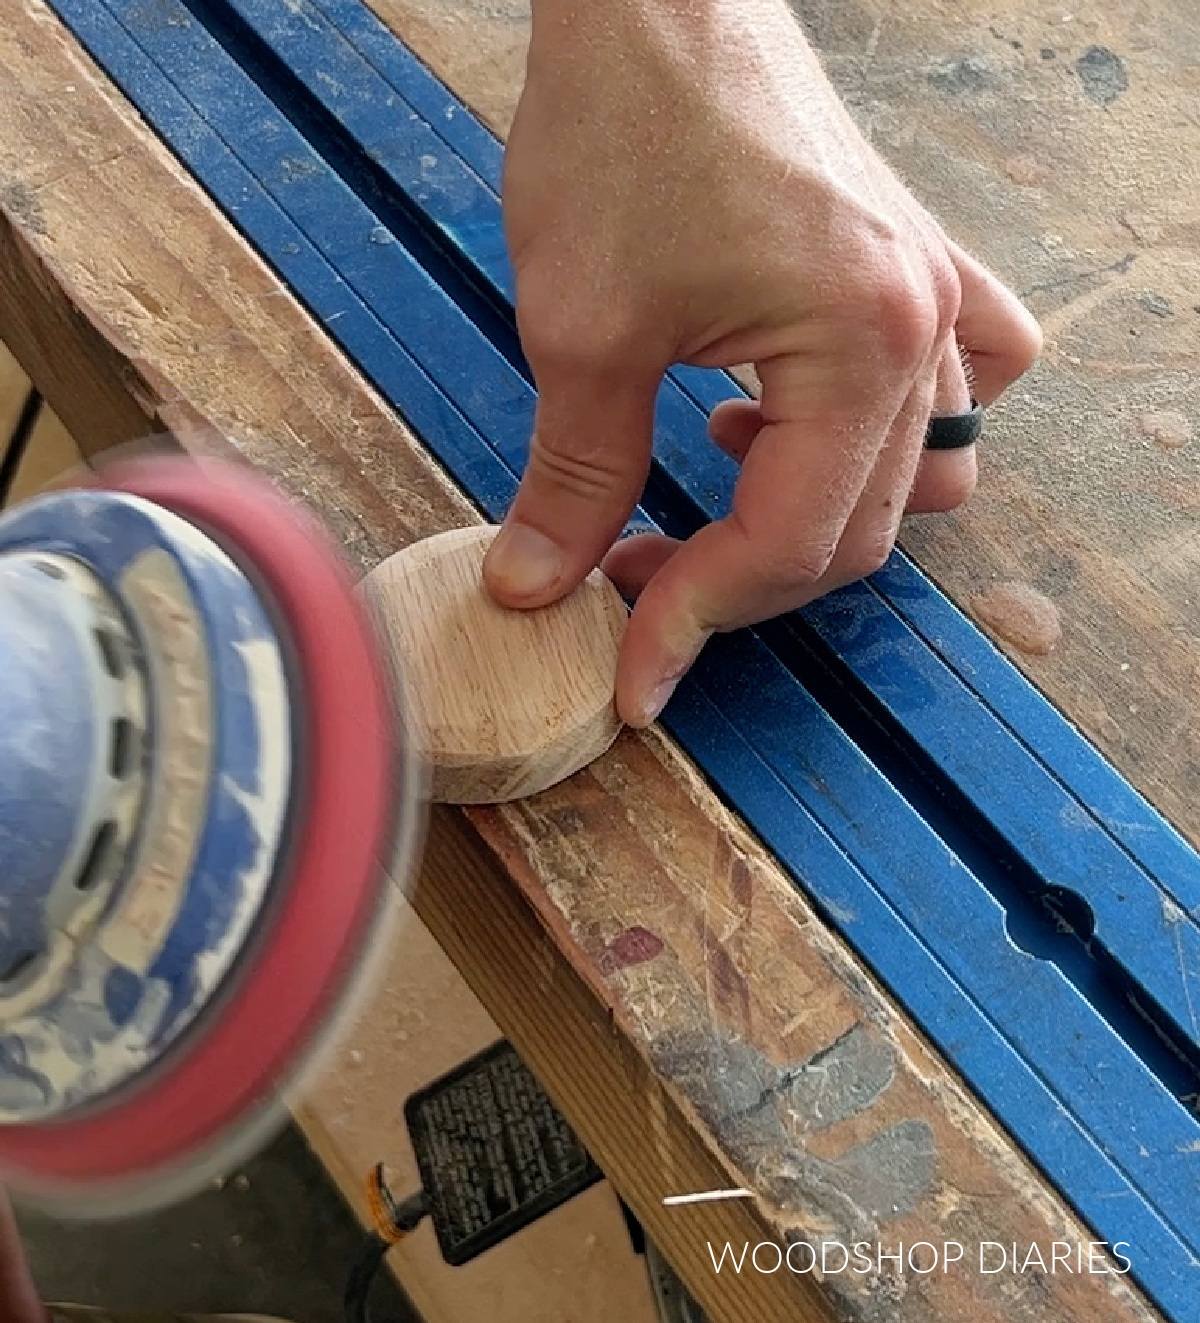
[204, 796]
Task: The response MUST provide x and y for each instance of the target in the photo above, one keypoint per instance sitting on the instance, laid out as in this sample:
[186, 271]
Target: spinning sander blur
[203, 792]
[209, 783]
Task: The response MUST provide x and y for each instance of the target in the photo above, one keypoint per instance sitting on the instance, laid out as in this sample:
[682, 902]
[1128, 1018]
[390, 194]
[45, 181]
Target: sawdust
[22, 201]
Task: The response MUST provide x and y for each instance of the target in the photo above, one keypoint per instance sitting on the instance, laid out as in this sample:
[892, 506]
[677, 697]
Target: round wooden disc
[502, 703]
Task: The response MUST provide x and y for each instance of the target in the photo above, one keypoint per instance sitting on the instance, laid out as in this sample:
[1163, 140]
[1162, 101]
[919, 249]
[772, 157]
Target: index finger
[799, 485]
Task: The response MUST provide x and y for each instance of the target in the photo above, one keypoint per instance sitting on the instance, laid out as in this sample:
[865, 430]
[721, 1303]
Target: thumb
[588, 463]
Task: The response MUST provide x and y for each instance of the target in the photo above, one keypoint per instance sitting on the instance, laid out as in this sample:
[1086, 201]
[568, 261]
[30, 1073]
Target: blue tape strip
[374, 193]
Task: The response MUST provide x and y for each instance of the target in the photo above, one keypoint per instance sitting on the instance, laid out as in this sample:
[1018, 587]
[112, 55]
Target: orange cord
[379, 1202]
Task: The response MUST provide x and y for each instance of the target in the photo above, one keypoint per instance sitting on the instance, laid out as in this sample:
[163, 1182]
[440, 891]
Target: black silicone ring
[955, 431]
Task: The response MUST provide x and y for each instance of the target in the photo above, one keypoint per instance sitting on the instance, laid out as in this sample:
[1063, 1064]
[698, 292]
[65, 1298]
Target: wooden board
[501, 704]
[651, 962]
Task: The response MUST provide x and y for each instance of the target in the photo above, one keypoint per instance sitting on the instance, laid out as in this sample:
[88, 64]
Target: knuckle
[785, 567]
[869, 553]
[547, 331]
[1027, 339]
[946, 293]
[570, 334]
[594, 476]
[800, 567]
[908, 321]
[914, 295]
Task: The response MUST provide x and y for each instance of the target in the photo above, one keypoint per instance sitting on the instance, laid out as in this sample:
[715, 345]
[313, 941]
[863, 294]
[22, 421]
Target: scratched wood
[664, 978]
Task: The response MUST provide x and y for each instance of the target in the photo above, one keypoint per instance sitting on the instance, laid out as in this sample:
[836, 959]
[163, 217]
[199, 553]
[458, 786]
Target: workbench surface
[651, 961]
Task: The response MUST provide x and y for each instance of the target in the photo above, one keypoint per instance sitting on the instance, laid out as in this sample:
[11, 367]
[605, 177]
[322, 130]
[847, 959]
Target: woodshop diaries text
[922, 1257]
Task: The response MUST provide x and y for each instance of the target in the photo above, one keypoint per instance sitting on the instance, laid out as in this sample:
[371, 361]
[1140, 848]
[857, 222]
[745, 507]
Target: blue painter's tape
[382, 154]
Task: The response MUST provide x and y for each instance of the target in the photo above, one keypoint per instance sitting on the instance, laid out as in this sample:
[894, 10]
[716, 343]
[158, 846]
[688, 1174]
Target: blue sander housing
[197, 786]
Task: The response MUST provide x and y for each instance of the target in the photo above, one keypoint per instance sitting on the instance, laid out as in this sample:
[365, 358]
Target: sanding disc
[347, 827]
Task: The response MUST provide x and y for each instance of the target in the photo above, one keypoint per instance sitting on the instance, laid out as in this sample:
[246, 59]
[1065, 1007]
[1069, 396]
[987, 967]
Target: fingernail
[684, 639]
[659, 697]
[523, 562]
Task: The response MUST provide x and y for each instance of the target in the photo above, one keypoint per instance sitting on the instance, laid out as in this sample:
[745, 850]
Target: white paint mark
[705, 1196]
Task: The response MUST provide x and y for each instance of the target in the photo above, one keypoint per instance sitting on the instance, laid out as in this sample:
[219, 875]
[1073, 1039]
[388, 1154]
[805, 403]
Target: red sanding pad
[343, 832]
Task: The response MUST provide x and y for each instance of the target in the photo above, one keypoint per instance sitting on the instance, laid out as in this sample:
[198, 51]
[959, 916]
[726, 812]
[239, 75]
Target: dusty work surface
[652, 963]
[1059, 142]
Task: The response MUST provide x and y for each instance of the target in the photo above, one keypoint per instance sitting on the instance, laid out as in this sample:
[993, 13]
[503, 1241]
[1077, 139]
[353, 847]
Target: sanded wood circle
[502, 703]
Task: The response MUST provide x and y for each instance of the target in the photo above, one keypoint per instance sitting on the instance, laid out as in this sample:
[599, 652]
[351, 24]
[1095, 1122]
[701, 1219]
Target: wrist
[686, 20]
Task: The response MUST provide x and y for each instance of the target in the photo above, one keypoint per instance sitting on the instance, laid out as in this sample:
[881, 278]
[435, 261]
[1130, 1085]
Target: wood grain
[502, 703]
[92, 387]
[648, 958]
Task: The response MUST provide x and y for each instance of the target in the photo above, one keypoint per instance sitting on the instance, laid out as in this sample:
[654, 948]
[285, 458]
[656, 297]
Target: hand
[683, 185]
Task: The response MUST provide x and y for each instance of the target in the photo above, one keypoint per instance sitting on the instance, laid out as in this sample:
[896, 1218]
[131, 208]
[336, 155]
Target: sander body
[204, 797]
